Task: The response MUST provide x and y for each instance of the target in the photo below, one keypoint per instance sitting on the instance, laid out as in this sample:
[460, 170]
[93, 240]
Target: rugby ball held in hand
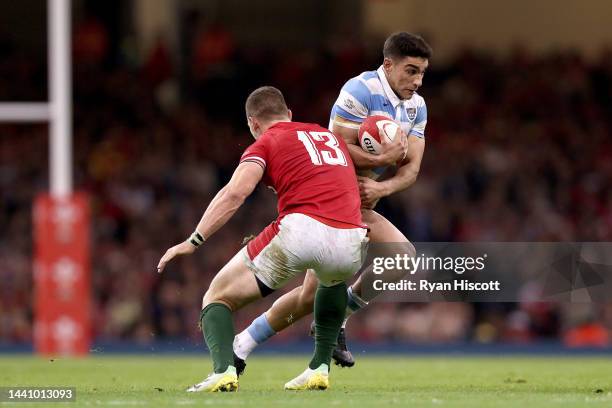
[376, 130]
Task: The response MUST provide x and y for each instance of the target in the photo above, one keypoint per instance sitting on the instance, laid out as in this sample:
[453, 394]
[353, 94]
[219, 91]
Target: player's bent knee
[307, 292]
[306, 299]
[408, 249]
[212, 296]
[231, 305]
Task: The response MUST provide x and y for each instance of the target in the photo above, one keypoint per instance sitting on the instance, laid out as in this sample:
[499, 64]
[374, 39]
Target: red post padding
[62, 288]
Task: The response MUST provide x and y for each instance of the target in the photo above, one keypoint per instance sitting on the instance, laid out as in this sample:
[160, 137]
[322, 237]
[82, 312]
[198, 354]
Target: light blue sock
[354, 302]
[260, 330]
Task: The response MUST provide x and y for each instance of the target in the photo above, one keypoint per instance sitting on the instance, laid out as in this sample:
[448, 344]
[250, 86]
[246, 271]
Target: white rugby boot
[224, 382]
[317, 379]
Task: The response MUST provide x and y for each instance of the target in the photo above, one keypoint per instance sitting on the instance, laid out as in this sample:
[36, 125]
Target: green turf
[376, 381]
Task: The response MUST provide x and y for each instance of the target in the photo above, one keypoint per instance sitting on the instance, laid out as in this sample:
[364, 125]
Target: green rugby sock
[329, 308]
[218, 330]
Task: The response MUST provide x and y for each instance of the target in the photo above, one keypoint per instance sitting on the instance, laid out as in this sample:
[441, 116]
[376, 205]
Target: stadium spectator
[526, 156]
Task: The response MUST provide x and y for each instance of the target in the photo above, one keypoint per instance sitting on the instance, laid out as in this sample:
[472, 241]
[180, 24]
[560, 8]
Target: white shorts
[284, 250]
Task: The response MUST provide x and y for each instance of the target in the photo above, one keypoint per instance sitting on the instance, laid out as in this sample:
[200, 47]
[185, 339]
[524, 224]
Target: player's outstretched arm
[391, 152]
[230, 198]
[220, 210]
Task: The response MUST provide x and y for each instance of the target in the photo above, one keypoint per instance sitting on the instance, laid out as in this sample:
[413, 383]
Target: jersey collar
[387, 88]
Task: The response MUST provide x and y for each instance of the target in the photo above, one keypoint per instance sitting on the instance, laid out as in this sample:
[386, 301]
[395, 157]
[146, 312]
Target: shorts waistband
[335, 223]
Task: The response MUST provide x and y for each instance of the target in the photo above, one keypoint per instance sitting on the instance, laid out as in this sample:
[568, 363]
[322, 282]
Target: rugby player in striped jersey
[390, 90]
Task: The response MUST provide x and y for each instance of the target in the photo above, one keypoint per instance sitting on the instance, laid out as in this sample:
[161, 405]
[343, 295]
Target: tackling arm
[230, 198]
[221, 208]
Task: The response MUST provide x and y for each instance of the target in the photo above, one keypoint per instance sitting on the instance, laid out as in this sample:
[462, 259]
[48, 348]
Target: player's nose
[417, 81]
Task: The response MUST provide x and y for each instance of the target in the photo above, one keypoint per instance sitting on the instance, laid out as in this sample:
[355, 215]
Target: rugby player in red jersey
[319, 227]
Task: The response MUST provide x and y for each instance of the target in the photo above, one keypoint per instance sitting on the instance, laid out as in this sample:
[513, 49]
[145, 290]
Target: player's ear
[387, 64]
[289, 114]
[256, 124]
[253, 126]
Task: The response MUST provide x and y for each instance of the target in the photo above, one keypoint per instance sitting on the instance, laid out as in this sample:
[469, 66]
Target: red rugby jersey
[311, 171]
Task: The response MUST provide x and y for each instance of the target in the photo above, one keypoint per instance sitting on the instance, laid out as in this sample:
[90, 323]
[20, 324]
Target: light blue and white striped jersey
[370, 94]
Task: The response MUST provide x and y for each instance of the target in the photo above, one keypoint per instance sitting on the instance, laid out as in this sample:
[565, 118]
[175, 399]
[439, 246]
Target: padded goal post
[62, 288]
[61, 218]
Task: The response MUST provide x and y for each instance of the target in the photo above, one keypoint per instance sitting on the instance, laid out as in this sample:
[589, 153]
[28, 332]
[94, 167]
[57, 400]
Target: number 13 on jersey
[328, 153]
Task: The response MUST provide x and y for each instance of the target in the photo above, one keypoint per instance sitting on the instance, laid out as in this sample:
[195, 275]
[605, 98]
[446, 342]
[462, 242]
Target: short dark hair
[405, 44]
[266, 103]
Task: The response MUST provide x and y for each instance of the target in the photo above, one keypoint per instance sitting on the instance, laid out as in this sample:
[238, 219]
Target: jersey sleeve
[420, 121]
[353, 103]
[256, 153]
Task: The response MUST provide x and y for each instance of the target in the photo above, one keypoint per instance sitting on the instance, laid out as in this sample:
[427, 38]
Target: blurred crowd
[518, 149]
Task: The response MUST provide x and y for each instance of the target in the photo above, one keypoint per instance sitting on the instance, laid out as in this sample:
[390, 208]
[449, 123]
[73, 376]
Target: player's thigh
[383, 231]
[393, 241]
[235, 285]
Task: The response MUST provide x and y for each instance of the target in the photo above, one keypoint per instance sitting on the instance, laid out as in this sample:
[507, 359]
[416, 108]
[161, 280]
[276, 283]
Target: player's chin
[407, 94]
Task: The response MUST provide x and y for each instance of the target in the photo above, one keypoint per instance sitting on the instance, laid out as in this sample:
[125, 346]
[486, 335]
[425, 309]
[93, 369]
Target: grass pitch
[373, 382]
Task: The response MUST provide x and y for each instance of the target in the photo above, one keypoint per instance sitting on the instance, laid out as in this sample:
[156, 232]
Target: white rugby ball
[376, 130]
[373, 132]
